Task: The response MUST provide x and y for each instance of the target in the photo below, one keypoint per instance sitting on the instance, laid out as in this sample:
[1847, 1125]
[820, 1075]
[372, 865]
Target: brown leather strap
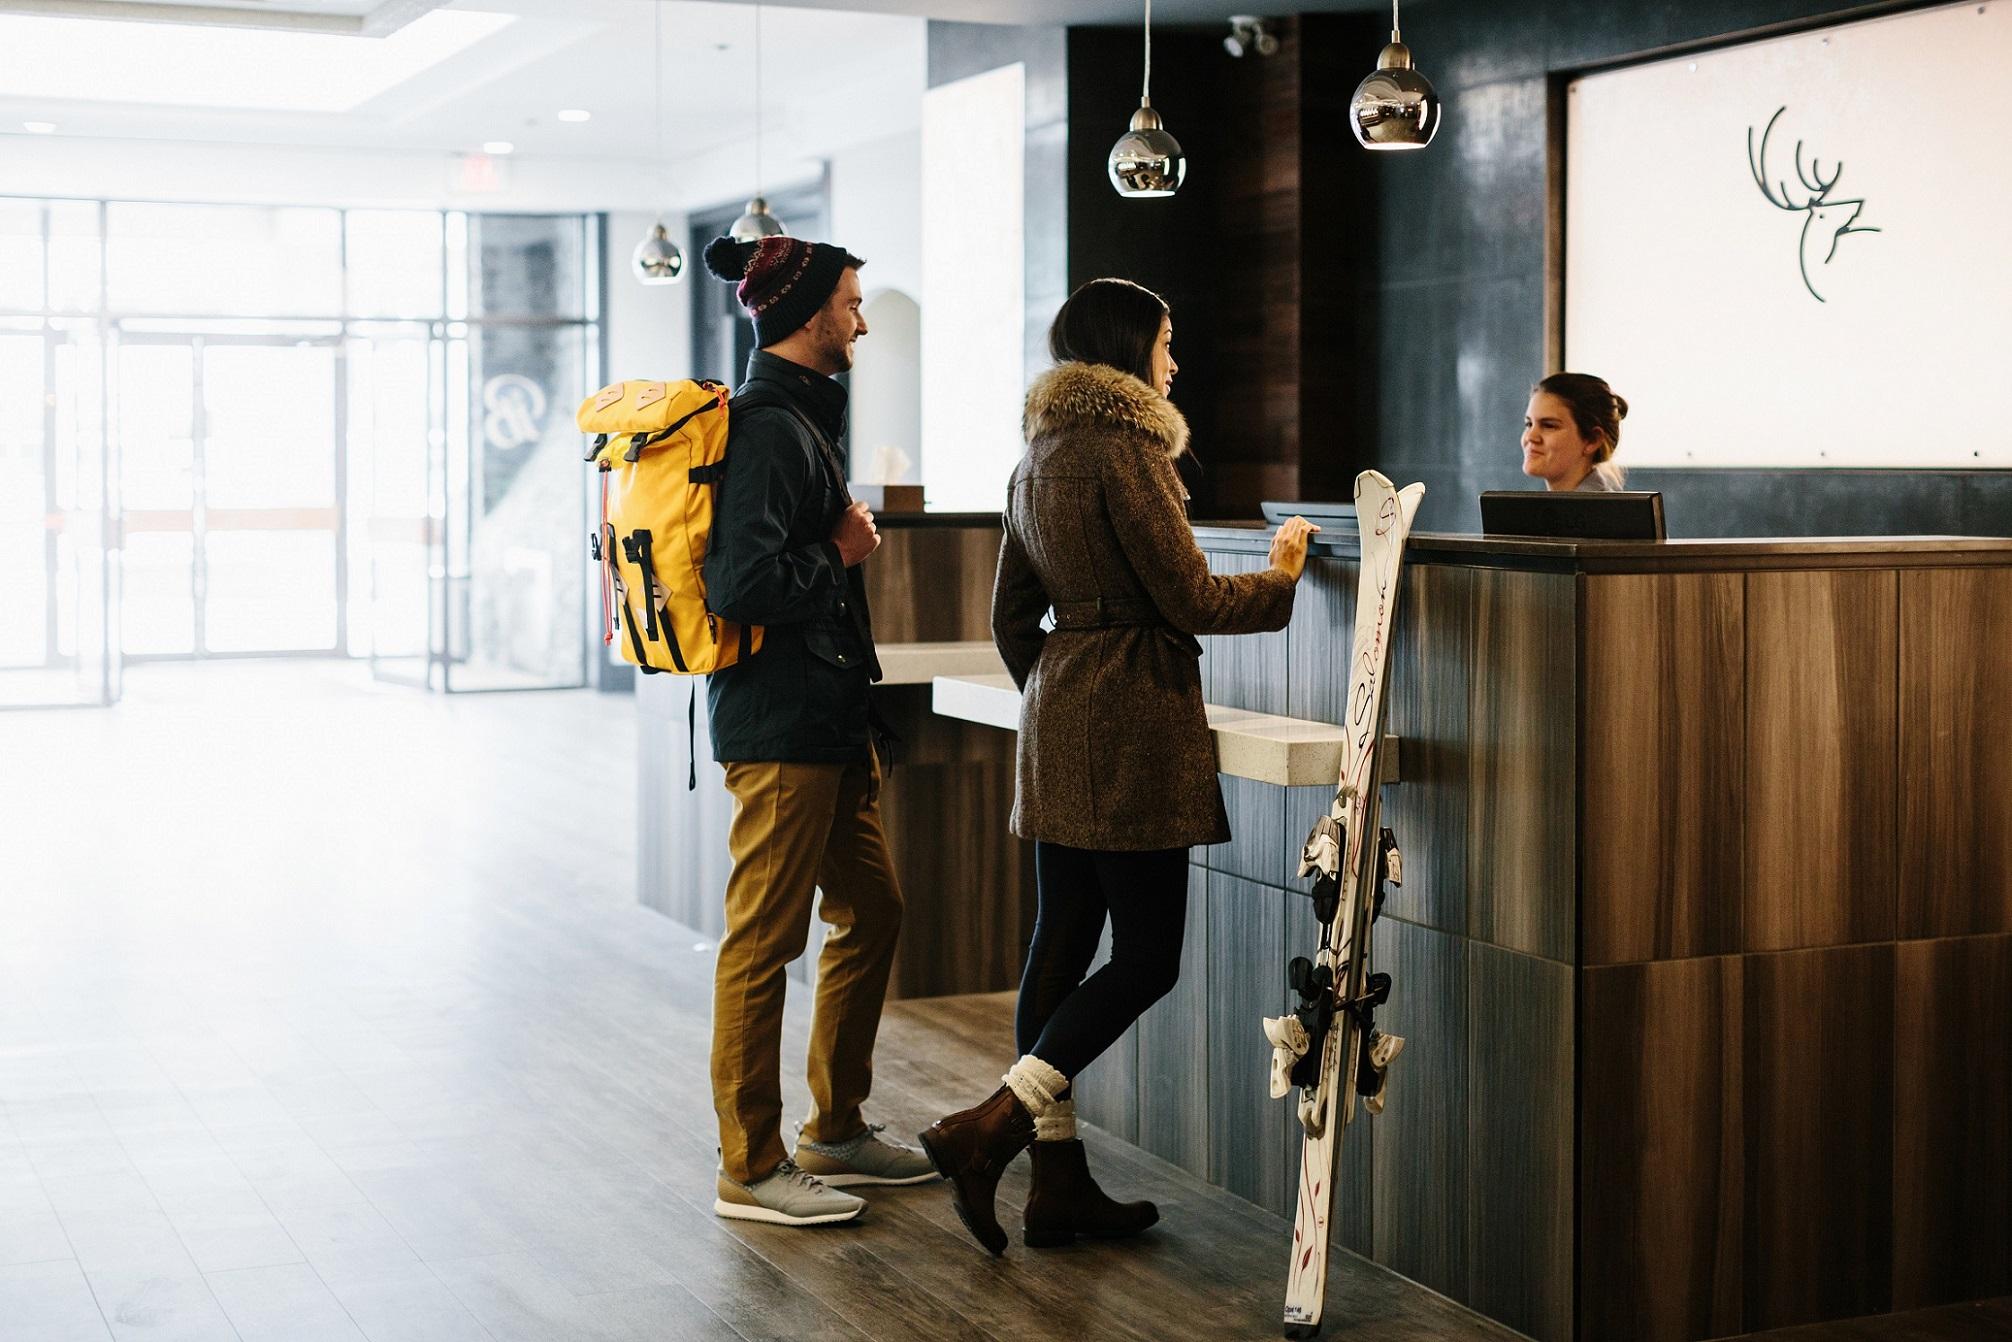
[1106, 613]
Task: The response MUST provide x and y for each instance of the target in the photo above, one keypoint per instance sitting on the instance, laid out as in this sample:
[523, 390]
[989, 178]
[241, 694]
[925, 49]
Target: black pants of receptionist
[1064, 1019]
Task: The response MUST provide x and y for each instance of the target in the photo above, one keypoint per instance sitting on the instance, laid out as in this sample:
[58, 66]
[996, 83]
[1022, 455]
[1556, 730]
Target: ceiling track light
[1395, 107]
[756, 221]
[657, 259]
[1249, 33]
[1147, 161]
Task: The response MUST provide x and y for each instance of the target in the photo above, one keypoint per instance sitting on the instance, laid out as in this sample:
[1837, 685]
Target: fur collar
[1097, 396]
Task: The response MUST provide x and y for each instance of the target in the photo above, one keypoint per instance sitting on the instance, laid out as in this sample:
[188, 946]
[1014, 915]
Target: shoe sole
[878, 1180]
[740, 1211]
[957, 1202]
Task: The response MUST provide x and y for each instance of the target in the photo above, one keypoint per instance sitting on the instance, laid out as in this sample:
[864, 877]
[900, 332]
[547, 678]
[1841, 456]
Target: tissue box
[888, 498]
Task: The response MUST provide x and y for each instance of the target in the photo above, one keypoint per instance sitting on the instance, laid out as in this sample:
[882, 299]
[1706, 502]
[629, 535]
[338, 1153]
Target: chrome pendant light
[756, 222]
[657, 260]
[1396, 107]
[1147, 161]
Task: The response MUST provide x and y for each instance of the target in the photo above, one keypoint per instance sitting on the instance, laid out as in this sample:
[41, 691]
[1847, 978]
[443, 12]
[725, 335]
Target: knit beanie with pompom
[782, 281]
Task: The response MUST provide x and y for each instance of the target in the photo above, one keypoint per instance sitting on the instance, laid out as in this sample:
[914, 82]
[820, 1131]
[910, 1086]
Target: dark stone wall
[1460, 302]
[1335, 309]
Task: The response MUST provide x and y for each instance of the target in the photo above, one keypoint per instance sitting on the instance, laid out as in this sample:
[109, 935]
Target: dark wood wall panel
[1432, 665]
[1107, 1093]
[1522, 740]
[1257, 849]
[1821, 856]
[932, 584]
[682, 860]
[1952, 1144]
[1661, 800]
[1956, 770]
[1519, 1140]
[1174, 1048]
[1421, 1204]
[1819, 1092]
[1248, 954]
[1318, 639]
[967, 881]
[1662, 1156]
[1247, 671]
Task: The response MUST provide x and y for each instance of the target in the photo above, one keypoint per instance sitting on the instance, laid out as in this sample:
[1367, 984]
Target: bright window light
[39, 127]
[178, 65]
[498, 147]
[576, 114]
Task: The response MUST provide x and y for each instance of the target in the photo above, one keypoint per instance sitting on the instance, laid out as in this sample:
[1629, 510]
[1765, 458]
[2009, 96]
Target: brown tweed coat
[1115, 750]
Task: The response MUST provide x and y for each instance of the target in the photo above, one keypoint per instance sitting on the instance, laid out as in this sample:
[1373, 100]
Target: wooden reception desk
[1705, 948]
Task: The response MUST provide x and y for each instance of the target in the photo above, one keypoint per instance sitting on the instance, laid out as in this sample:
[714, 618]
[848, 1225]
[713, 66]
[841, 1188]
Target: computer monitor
[1616, 515]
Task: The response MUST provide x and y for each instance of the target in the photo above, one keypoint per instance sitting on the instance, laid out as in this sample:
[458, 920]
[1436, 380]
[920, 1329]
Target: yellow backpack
[661, 447]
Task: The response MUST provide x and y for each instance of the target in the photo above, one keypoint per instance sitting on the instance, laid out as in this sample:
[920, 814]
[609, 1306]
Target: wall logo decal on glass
[516, 410]
[1825, 219]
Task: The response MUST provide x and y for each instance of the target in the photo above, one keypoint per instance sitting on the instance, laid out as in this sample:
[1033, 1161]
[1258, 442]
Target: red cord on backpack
[607, 571]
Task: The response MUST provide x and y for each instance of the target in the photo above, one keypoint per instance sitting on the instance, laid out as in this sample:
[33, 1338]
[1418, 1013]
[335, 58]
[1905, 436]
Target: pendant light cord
[758, 25]
[1146, 88]
[1393, 22]
[657, 46]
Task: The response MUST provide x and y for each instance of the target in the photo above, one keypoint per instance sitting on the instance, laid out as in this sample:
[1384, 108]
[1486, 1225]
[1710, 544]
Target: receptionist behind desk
[1571, 431]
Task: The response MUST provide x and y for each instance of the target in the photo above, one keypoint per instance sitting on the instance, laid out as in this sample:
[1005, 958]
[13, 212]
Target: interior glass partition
[247, 430]
[59, 570]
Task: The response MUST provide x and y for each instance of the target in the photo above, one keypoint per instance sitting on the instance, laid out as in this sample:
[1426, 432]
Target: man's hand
[855, 535]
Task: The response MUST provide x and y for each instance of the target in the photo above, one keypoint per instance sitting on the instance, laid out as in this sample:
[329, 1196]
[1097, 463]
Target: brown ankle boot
[1066, 1201]
[971, 1149]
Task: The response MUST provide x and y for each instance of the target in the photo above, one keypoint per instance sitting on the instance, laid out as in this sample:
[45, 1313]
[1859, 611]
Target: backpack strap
[856, 594]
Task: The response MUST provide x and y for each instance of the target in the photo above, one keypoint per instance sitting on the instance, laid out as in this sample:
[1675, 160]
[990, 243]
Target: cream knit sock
[1037, 1085]
[1058, 1124]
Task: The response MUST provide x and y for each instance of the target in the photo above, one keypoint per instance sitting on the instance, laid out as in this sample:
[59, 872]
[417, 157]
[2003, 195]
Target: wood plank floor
[326, 1012]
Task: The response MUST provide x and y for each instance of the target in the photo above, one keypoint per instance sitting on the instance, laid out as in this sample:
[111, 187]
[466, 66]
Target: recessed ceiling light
[498, 147]
[39, 127]
[576, 114]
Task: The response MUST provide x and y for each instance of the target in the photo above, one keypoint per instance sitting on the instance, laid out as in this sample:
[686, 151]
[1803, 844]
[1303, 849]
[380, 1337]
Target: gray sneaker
[788, 1197]
[868, 1158]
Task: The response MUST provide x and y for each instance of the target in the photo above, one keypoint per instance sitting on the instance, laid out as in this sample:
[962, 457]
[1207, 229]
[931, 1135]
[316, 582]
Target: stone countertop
[1596, 556]
[1289, 752]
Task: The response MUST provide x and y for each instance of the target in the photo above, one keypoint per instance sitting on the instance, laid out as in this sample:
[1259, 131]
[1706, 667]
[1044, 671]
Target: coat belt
[1106, 613]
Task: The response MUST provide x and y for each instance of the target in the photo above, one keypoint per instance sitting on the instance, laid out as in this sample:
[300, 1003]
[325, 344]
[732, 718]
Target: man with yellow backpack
[791, 725]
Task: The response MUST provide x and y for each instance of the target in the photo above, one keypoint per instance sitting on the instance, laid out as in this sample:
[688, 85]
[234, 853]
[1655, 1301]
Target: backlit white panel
[973, 288]
[1843, 299]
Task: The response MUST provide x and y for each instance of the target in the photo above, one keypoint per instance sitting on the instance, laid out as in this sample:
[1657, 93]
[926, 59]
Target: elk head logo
[1822, 216]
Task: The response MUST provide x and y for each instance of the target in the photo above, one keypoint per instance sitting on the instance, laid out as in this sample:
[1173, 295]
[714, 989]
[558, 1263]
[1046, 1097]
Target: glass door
[229, 463]
[57, 567]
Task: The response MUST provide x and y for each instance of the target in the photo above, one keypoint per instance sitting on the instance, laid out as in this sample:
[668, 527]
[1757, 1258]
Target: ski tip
[1410, 497]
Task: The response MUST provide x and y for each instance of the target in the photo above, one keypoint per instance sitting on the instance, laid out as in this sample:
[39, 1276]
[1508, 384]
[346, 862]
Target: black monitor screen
[1618, 515]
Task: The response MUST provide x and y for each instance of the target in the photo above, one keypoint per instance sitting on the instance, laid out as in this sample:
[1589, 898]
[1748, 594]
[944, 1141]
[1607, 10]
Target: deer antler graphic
[1838, 216]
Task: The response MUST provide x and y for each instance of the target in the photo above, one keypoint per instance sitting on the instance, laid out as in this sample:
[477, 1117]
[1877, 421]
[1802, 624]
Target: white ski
[1349, 856]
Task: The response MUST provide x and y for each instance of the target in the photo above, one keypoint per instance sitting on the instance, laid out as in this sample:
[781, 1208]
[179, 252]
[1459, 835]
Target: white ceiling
[1084, 12]
[830, 79]
[268, 99]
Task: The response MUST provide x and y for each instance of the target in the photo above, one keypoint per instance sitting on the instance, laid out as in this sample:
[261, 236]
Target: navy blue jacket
[770, 561]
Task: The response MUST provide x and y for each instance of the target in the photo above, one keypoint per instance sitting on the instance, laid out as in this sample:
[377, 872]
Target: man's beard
[839, 354]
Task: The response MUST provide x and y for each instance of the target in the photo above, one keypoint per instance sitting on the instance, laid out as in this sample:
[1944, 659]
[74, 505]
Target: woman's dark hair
[1595, 407]
[1109, 321]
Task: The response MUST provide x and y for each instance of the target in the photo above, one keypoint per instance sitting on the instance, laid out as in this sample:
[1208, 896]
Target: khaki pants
[798, 828]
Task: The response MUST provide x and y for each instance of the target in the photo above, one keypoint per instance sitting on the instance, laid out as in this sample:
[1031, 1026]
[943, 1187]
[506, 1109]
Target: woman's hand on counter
[1288, 546]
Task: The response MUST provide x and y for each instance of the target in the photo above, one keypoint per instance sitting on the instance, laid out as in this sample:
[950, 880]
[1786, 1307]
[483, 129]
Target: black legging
[1064, 1019]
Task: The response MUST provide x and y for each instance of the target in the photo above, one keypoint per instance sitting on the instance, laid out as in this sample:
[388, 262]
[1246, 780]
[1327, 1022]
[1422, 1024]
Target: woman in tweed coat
[1117, 766]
